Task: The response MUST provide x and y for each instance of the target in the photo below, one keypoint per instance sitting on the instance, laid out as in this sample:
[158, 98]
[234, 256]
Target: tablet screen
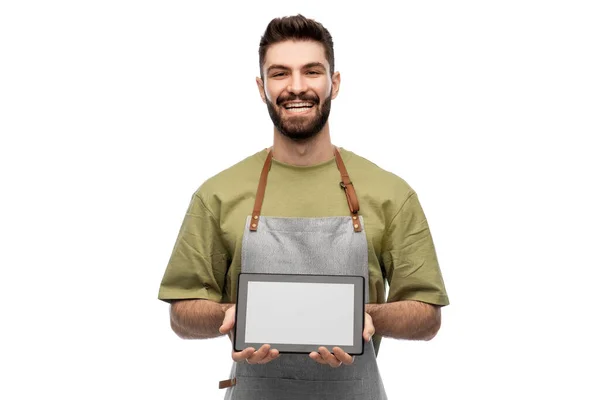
[324, 316]
[299, 313]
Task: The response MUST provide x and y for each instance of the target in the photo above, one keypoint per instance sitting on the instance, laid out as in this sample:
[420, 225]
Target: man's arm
[197, 319]
[406, 319]
[205, 319]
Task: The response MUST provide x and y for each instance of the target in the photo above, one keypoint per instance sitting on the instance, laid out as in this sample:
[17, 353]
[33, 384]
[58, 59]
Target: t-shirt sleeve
[198, 264]
[409, 257]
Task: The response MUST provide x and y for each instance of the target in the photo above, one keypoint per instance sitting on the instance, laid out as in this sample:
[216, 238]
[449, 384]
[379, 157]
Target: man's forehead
[295, 54]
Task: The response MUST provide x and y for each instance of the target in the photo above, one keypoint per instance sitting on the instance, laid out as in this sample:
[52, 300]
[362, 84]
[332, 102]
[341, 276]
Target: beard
[300, 128]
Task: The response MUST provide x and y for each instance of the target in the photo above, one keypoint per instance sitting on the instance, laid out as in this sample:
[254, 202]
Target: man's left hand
[339, 356]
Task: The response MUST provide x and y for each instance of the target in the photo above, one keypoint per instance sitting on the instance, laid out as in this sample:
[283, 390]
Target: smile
[298, 107]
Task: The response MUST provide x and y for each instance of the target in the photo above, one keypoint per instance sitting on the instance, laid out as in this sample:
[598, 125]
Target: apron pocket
[253, 388]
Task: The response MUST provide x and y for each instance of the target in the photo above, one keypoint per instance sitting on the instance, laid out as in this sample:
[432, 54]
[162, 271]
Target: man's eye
[313, 72]
[275, 75]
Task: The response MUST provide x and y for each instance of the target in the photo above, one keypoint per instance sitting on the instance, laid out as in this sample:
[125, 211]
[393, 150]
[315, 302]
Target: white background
[112, 113]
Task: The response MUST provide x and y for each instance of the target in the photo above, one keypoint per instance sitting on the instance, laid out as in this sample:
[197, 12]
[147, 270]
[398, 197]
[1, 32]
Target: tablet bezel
[358, 282]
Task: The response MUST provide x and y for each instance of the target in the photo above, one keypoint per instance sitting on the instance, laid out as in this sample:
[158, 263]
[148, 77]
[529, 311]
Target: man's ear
[335, 84]
[261, 89]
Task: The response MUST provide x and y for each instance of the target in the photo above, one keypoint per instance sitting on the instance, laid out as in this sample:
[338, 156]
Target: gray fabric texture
[316, 246]
[319, 246]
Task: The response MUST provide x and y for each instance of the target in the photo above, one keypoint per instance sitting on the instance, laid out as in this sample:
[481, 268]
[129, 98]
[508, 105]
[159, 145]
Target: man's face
[298, 88]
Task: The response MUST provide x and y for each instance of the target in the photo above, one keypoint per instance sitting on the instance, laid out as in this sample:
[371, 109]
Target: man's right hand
[261, 356]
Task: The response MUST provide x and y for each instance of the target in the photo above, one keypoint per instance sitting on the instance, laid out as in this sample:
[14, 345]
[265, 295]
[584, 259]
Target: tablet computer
[299, 313]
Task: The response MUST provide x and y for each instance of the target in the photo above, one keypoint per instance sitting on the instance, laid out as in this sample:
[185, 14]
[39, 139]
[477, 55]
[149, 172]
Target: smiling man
[298, 95]
[322, 204]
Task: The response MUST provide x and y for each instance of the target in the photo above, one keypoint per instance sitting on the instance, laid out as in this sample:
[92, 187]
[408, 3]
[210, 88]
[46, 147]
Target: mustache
[304, 97]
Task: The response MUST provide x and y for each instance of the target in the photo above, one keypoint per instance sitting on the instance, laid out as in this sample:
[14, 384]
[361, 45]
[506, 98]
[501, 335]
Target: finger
[242, 355]
[271, 355]
[228, 321]
[329, 358]
[226, 326]
[341, 355]
[369, 330]
[317, 357]
[259, 354]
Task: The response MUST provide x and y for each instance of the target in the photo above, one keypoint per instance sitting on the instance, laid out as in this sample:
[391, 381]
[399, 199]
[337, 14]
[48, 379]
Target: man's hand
[228, 322]
[339, 356]
[264, 355]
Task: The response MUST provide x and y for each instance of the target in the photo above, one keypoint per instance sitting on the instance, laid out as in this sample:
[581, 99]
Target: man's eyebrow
[277, 66]
[307, 66]
[314, 64]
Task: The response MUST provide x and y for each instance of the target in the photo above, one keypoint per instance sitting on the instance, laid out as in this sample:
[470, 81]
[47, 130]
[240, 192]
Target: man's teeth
[298, 106]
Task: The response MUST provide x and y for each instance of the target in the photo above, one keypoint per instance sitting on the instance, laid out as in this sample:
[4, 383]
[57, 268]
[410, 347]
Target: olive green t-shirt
[206, 258]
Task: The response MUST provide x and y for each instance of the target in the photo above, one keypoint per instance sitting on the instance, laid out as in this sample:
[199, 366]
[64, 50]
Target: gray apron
[327, 246]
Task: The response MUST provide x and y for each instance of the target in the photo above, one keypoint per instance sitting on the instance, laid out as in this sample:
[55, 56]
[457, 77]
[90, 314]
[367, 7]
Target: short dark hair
[295, 28]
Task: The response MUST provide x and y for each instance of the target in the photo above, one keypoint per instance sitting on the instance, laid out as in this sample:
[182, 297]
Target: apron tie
[260, 192]
[345, 184]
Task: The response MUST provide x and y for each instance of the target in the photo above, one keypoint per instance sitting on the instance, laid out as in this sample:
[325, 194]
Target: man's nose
[297, 84]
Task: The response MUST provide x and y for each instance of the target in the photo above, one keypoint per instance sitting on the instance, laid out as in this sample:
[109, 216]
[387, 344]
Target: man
[333, 203]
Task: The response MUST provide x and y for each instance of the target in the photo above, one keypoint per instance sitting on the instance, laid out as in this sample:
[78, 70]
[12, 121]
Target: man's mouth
[298, 106]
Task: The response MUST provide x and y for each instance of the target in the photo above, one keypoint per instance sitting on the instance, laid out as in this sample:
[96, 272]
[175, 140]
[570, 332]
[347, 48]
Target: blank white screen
[300, 313]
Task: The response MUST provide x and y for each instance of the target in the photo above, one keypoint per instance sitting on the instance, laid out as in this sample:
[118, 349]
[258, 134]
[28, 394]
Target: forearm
[197, 319]
[408, 319]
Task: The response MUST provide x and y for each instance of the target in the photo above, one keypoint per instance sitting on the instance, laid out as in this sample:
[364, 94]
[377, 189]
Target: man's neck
[316, 150]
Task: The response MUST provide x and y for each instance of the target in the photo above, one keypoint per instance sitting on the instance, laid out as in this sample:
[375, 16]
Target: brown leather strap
[348, 187]
[227, 383]
[346, 184]
[260, 192]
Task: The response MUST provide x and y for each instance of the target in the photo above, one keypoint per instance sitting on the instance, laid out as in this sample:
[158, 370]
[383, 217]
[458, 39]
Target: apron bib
[325, 246]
